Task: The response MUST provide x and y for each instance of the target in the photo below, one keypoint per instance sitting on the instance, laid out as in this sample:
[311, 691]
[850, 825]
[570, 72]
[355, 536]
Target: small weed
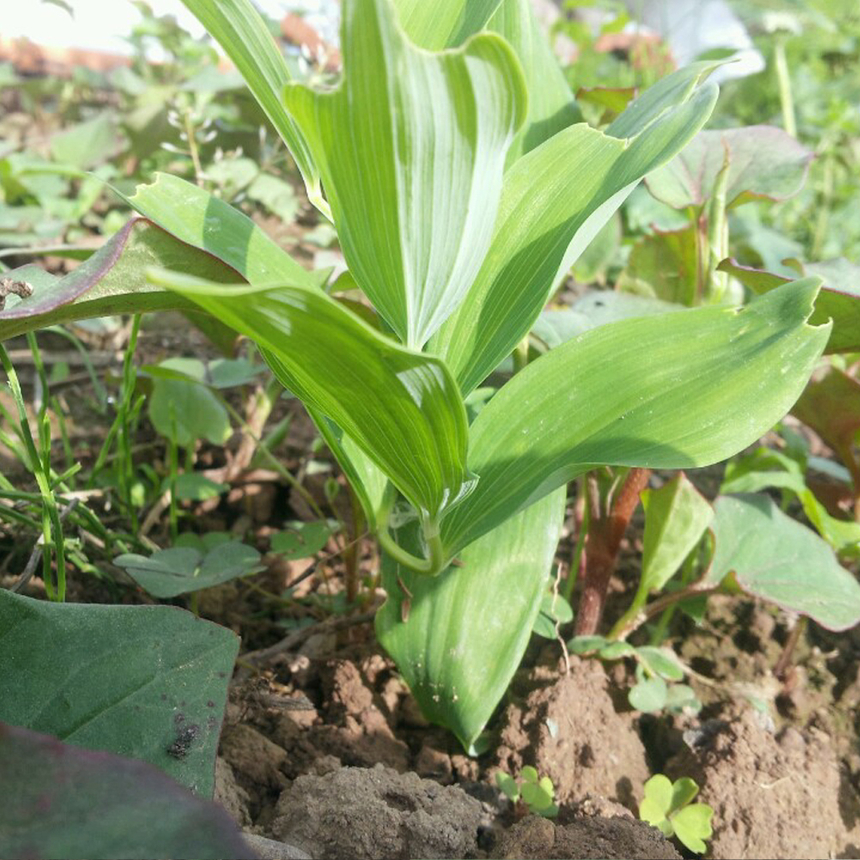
[667, 806]
[536, 793]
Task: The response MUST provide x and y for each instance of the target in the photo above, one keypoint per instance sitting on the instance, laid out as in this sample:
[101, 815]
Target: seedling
[535, 792]
[668, 806]
[458, 224]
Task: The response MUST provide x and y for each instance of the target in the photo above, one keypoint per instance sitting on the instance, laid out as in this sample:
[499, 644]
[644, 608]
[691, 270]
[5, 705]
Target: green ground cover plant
[462, 187]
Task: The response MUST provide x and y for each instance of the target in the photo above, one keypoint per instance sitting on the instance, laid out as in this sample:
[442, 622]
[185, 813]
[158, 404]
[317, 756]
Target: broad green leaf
[661, 661]
[665, 265]
[648, 695]
[654, 103]
[185, 411]
[775, 558]
[301, 540]
[111, 281]
[238, 28]
[181, 570]
[444, 23]
[400, 406]
[838, 300]
[194, 216]
[676, 517]
[671, 392]
[555, 200]
[764, 161]
[466, 630]
[551, 106]
[768, 468]
[658, 792]
[87, 144]
[692, 825]
[411, 149]
[149, 682]
[60, 801]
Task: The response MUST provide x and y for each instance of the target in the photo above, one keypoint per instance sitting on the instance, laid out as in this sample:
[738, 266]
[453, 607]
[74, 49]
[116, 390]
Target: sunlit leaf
[551, 106]
[400, 406]
[775, 558]
[764, 161]
[555, 200]
[465, 631]
[634, 393]
[415, 219]
[443, 23]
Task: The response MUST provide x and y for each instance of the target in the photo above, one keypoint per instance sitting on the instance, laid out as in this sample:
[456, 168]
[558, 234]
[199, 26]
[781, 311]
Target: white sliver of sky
[101, 25]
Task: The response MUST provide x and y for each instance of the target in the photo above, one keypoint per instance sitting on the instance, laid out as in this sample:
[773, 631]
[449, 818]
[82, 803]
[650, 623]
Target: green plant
[536, 792]
[458, 223]
[668, 806]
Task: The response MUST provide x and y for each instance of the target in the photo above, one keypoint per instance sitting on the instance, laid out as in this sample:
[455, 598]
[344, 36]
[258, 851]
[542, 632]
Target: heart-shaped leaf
[180, 570]
[149, 682]
[763, 160]
[773, 557]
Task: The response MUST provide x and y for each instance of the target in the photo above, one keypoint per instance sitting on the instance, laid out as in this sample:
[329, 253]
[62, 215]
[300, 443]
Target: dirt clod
[535, 838]
[774, 795]
[377, 814]
[569, 730]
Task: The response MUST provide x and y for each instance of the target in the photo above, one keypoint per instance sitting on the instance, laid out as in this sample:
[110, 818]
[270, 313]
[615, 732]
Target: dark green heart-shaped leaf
[148, 682]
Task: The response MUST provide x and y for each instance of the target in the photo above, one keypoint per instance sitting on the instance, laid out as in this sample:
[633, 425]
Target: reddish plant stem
[602, 544]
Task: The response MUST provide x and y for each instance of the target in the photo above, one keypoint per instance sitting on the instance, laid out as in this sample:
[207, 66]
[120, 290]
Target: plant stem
[52, 529]
[659, 606]
[601, 550]
[786, 97]
[782, 665]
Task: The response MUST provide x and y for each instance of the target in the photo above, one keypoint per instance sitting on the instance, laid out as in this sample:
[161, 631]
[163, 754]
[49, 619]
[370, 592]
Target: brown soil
[774, 794]
[606, 838]
[569, 729]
